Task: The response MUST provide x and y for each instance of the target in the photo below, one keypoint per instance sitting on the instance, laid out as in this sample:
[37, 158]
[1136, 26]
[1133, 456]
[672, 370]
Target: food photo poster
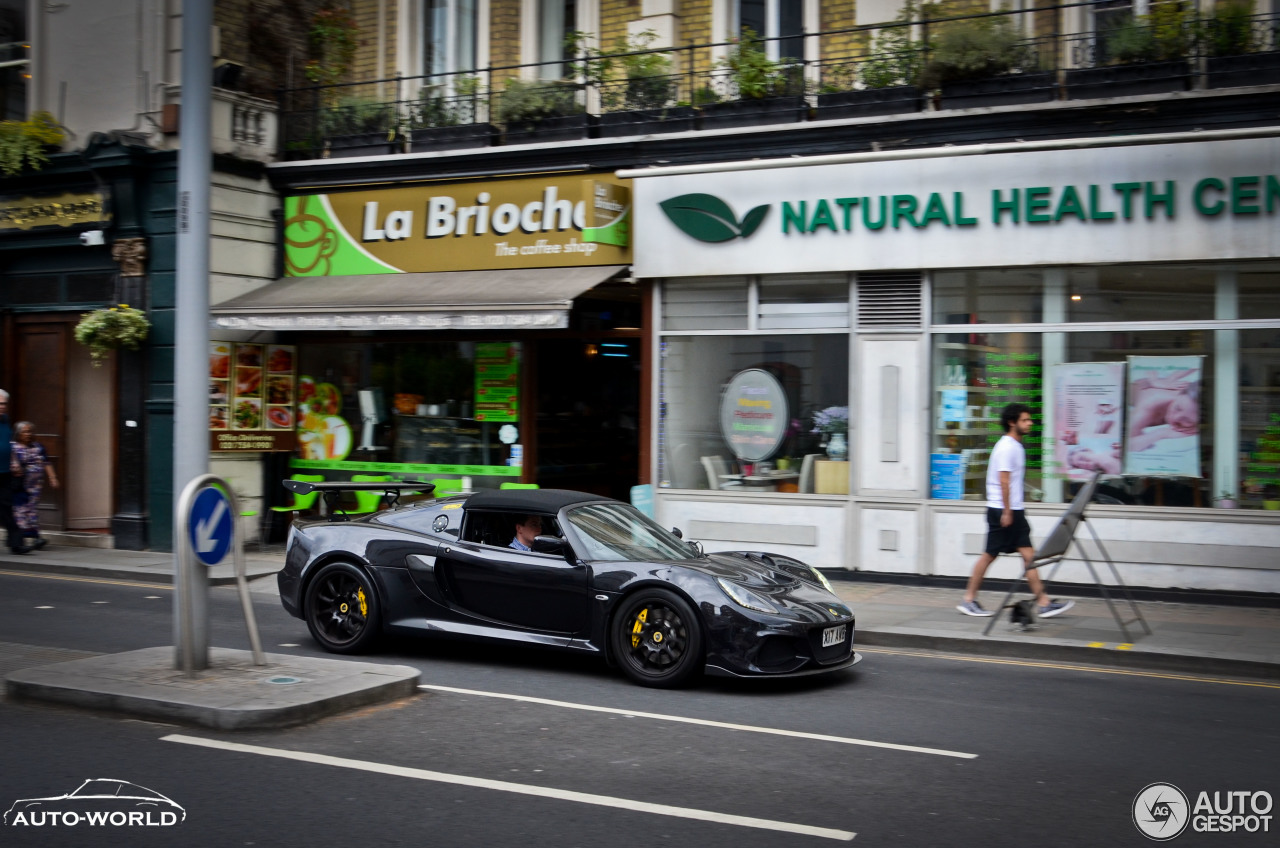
[1088, 419]
[1162, 418]
[252, 389]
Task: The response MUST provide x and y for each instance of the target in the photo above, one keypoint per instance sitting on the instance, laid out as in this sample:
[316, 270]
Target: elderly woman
[30, 455]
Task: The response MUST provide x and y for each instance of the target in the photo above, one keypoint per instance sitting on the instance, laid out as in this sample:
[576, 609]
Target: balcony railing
[908, 65]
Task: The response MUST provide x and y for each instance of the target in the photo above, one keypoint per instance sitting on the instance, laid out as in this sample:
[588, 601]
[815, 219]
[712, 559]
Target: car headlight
[744, 597]
[822, 578]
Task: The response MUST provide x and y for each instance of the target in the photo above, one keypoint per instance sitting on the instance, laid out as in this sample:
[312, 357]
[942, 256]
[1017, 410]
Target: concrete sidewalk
[233, 693]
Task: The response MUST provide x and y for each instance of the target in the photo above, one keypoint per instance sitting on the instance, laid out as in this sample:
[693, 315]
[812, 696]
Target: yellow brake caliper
[364, 603]
[635, 631]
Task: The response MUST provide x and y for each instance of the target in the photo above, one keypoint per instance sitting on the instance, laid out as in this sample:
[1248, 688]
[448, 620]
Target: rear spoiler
[330, 490]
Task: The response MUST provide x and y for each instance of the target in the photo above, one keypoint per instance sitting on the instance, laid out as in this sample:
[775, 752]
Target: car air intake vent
[890, 301]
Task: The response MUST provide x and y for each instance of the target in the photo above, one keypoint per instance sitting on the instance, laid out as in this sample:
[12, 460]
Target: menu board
[252, 396]
[498, 381]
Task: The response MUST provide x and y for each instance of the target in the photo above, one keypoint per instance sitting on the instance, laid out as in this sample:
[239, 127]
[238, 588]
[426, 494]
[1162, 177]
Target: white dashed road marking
[773, 731]
[517, 788]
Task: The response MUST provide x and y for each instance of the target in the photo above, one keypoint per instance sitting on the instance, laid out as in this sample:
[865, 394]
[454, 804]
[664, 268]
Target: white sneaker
[973, 608]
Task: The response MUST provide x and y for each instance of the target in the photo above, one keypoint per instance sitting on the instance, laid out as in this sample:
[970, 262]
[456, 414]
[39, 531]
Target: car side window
[497, 529]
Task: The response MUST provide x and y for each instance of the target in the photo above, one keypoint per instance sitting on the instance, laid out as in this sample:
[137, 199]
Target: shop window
[1260, 419]
[413, 409]
[1141, 293]
[1138, 406]
[711, 304]
[803, 302]
[1259, 294]
[992, 297]
[807, 374]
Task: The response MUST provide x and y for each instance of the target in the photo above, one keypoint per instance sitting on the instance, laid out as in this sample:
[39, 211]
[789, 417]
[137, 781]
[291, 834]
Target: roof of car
[530, 500]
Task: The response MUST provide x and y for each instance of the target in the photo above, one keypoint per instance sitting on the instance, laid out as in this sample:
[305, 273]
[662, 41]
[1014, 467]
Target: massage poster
[252, 396]
[1162, 416]
[1088, 418]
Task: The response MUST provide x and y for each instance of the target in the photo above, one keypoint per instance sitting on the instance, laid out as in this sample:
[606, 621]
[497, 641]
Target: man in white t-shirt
[1007, 527]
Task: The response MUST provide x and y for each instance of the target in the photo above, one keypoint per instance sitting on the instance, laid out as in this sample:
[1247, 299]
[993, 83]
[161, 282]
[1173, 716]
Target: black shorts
[1007, 540]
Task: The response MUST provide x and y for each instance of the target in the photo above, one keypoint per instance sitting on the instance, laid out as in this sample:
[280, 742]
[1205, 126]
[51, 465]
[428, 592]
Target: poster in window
[497, 381]
[1088, 429]
[1162, 433]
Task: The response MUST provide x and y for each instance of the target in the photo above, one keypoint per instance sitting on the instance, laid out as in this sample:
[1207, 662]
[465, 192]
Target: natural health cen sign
[1141, 203]
[519, 223]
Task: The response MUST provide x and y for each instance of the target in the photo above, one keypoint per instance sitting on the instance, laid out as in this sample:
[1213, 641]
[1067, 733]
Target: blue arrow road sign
[210, 526]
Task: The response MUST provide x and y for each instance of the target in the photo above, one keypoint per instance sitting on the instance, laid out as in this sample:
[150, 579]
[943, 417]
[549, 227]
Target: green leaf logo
[708, 218]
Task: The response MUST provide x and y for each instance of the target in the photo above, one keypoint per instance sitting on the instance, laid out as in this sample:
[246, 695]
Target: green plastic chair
[446, 486]
[301, 503]
[518, 486]
[367, 502]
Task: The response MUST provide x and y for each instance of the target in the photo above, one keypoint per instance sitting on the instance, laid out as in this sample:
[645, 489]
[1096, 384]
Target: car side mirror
[549, 544]
[675, 531]
[696, 547]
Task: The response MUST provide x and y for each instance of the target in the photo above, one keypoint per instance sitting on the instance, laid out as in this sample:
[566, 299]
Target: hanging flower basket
[112, 328]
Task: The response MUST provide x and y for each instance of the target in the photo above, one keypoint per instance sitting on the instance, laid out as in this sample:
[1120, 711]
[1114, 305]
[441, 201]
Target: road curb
[1134, 658]
[109, 573]
[232, 694]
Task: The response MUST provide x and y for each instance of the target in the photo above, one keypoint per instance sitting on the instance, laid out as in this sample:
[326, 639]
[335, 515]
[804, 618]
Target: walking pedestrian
[34, 462]
[10, 481]
[1007, 527]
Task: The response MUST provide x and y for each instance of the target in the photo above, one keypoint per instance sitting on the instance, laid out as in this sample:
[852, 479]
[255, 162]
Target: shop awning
[517, 299]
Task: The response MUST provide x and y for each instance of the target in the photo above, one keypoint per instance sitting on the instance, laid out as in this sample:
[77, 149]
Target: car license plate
[833, 636]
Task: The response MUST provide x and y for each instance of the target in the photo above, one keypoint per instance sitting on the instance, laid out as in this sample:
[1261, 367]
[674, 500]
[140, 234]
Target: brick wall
[504, 36]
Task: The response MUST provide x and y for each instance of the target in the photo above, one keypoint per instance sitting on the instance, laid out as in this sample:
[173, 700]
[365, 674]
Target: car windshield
[618, 533]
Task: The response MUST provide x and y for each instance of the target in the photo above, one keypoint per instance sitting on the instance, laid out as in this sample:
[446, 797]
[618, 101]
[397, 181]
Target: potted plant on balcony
[985, 62]
[1146, 54]
[767, 92]
[441, 120]
[112, 328]
[356, 126]
[541, 110]
[643, 101]
[888, 76]
[1235, 55]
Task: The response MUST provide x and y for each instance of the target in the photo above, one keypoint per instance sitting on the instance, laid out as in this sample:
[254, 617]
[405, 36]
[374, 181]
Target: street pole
[191, 324]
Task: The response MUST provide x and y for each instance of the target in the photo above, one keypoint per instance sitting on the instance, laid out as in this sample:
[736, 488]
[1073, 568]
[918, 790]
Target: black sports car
[600, 577]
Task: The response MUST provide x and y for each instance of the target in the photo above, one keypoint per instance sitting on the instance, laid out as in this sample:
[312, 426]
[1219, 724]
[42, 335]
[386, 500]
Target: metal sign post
[206, 515]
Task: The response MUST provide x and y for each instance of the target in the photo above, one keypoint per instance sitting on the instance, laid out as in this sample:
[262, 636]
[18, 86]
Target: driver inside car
[527, 528]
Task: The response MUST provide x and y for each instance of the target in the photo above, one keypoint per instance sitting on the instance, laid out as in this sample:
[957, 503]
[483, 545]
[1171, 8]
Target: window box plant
[1145, 55]
[118, 327]
[355, 126]
[643, 102]
[764, 91]
[889, 76]
[444, 121]
[1234, 57]
[984, 62]
[540, 111]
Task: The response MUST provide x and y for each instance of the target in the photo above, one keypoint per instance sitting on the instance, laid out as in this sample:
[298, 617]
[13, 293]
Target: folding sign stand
[1054, 550]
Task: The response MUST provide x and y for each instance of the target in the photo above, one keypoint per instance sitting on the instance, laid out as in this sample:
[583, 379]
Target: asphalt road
[908, 749]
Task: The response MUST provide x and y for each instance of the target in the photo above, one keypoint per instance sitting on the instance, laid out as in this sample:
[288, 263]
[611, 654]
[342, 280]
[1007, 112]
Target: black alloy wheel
[657, 639]
[342, 609]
